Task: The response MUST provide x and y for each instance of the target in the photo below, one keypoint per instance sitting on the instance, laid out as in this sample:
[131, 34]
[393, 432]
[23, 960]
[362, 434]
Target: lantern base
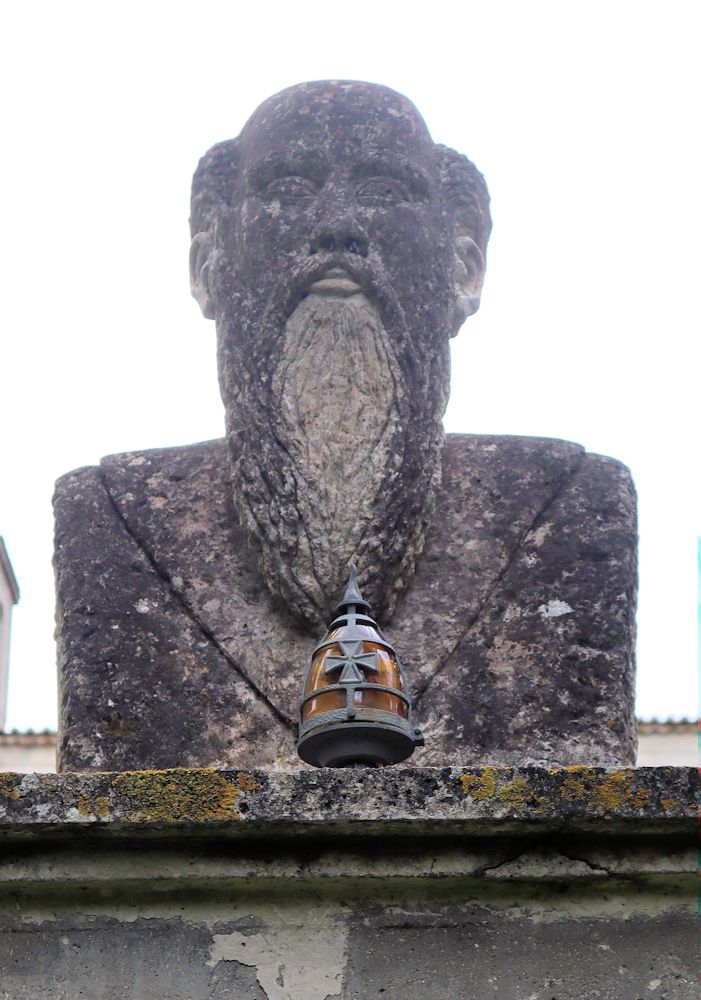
[356, 743]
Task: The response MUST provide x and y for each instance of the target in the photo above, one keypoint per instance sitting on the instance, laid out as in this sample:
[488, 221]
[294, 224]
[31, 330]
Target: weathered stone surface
[577, 884]
[545, 672]
[517, 632]
[413, 801]
[139, 679]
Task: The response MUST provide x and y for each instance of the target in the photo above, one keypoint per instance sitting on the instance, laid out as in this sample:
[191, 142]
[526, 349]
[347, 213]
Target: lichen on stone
[603, 792]
[480, 785]
[178, 795]
[616, 790]
[518, 794]
[246, 782]
[598, 792]
[573, 789]
[8, 782]
[98, 807]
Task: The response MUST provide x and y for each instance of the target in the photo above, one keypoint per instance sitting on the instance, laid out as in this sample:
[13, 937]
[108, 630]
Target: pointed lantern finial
[352, 596]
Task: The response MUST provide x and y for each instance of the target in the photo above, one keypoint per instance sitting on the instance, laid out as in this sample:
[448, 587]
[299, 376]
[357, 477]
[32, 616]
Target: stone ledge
[403, 801]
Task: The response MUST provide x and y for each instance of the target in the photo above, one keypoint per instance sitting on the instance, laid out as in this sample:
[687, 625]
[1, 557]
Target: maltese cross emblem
[351, 662]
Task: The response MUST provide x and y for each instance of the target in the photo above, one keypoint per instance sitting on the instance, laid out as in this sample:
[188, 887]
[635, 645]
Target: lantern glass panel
[360, 631]
[388, 675]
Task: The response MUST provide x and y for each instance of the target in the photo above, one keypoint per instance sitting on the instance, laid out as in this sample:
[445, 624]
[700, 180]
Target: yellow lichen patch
[480, 786]
[616, 791]
[7, 786]
[178, 795]
[48, 781]
[641, 798]
[668, 804]
[246, 782]
[602, 792]
[573, 789]
[99, 807]
[516, 794]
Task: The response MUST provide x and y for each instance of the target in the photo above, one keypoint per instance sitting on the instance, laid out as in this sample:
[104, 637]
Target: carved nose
[343, 237]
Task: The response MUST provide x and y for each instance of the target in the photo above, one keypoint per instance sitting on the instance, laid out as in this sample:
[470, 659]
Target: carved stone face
[336, 268]
[345, 175]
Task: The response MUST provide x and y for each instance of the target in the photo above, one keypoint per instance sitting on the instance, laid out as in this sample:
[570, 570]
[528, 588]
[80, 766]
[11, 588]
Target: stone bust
[338, 249]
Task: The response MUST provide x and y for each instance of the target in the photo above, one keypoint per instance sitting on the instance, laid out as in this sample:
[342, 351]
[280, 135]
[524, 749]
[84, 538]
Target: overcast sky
[584, 117]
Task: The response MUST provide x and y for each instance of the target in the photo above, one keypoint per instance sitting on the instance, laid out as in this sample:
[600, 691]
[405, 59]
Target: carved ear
[212, 186]
[467, 199]
[468, 276]
[200, 253]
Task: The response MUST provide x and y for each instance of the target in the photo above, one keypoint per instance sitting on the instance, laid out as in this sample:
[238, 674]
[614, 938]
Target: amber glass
[387, 675]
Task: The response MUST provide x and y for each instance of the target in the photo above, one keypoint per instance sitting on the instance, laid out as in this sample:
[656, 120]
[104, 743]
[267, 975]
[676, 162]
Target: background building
[9, 595]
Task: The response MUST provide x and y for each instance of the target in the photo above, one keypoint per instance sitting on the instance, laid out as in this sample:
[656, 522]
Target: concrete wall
[396, 885]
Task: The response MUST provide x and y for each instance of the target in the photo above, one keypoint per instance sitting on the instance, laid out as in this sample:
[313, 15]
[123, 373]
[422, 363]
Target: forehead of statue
[337, 123]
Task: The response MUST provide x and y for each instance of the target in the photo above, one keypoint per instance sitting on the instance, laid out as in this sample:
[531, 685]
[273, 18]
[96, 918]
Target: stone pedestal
[414, 884]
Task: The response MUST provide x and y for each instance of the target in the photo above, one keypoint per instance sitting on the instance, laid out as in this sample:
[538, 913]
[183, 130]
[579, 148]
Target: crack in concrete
[486, 869]
[592, 864]
[534, 524]
[189, 611]
[527, 856]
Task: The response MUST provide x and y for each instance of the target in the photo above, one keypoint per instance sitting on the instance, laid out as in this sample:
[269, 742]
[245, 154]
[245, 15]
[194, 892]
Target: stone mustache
[338, 249]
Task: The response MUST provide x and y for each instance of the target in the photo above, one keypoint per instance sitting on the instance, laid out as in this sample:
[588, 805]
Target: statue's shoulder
[156, 495]
[149, 469]
[507, 458]
[500, 487]
[147, 549]
[528, 581]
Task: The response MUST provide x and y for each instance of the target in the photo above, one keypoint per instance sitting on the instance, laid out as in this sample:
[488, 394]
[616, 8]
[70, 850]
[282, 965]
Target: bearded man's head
[338, 248]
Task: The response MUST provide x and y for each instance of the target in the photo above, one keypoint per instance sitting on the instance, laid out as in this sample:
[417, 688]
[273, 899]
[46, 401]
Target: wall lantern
[355, 708]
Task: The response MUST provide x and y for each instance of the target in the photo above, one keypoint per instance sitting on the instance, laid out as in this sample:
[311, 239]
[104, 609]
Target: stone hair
[464, 189]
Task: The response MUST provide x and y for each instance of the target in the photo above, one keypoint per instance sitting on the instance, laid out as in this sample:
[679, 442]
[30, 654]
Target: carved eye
[382, 191]
[290, 189]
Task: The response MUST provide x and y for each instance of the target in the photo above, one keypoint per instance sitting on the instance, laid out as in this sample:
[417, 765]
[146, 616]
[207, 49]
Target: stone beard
[335, 448]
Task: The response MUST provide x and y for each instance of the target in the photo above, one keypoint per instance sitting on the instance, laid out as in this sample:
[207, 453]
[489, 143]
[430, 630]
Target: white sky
[584, 117]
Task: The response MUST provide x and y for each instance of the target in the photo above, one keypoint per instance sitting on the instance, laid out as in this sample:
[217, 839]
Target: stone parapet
[409, 800]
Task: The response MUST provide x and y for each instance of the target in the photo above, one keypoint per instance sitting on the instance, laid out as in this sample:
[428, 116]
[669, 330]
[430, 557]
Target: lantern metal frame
[356, 735]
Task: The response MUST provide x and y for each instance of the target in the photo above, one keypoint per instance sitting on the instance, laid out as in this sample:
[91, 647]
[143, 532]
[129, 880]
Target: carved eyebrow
[286, 164]
[414, 177]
